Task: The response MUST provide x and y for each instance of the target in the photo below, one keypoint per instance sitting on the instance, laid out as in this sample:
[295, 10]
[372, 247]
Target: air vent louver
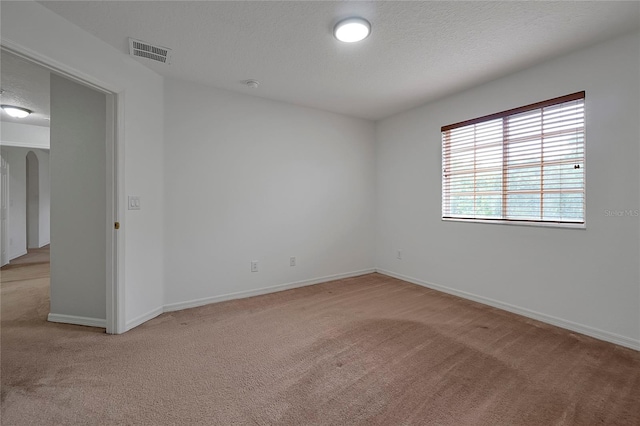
[149, 51]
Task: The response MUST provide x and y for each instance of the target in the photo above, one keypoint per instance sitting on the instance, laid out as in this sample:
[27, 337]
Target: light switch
[134, 202]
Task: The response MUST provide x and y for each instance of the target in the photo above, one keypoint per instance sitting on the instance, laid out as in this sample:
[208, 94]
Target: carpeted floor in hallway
[370, 350]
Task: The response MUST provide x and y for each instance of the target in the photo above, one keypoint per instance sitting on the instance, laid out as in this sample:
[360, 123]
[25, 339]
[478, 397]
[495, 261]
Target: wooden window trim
[537, 105]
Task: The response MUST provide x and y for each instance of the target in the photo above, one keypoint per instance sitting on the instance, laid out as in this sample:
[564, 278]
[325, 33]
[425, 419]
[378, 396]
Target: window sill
[521, 223]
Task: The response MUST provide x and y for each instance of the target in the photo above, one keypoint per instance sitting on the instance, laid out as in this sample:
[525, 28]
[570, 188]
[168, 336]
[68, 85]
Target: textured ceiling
[26, 85]
[417, 52]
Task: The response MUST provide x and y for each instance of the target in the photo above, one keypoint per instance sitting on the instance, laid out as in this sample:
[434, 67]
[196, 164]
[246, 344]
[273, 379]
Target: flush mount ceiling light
[352, 30]
[16, 112]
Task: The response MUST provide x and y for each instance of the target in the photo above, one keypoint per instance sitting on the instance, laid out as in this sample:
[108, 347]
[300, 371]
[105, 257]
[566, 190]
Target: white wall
[79, 201]
[587, 280]
[252, 179]
[16, 157]
[33, 28]
[44, 188]
[33, 200]
[24, 135]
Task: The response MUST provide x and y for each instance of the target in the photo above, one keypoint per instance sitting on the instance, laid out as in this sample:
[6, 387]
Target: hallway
[39, 255]
[25, 287]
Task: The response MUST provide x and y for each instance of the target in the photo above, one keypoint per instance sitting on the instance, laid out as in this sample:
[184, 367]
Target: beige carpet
[370, 350]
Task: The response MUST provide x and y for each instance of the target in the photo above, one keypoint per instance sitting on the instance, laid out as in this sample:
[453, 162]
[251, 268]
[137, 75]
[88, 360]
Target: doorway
[83, 134]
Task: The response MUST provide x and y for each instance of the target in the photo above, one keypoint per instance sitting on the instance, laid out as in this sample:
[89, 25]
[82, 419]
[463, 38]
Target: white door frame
[5, 200]
[114, 280]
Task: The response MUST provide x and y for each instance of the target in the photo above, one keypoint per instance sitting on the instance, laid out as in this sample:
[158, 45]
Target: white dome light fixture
[16, 112]
[352, 30]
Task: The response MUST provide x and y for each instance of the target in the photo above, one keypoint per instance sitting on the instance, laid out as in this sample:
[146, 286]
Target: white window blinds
[525, 164]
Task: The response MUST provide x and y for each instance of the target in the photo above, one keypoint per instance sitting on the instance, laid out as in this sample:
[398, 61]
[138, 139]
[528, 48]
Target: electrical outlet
[254, 266]
[399, 254]
[292, 261]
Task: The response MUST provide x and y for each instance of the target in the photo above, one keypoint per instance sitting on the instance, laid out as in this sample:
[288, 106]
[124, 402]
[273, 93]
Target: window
[524, 165]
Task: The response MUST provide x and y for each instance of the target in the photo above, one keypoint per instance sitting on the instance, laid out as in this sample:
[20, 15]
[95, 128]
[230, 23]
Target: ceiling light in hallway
[16, 112]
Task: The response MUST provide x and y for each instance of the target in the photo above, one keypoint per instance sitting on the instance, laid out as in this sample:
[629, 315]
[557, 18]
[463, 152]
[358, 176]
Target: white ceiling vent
[149, 51]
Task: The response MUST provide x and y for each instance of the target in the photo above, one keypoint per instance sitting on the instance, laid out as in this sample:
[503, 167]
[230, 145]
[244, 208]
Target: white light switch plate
[134, 202]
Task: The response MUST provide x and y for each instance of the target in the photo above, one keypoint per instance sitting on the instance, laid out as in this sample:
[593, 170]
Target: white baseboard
[13, 256]
[72, 319]
[559, 322]
[143, 318]
[259, 291]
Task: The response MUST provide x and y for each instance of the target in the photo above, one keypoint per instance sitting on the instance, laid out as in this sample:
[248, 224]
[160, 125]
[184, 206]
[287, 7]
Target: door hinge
[116, 225]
